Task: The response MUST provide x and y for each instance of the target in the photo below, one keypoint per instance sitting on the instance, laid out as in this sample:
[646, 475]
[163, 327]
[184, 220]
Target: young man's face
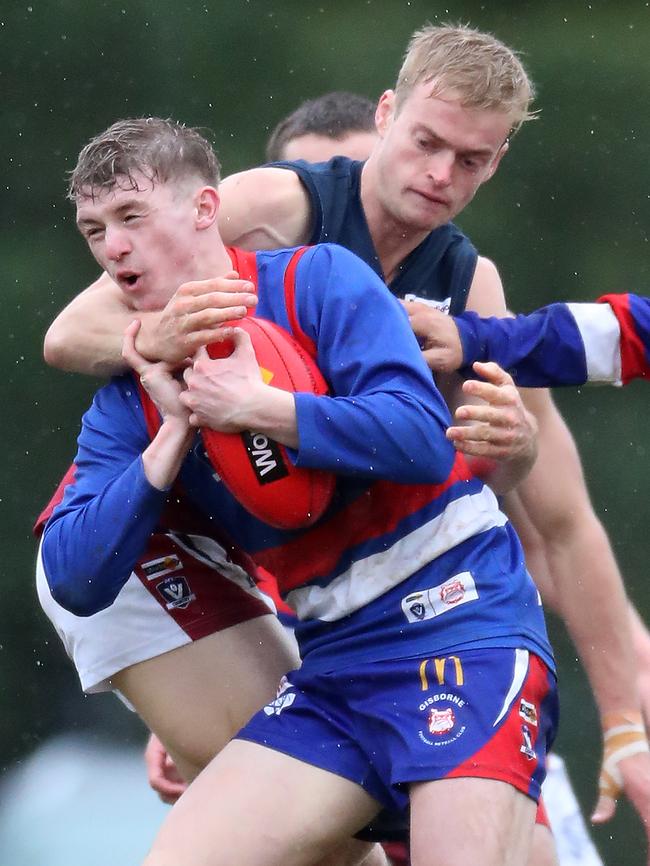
[144, 238]
[434, 155]
[321, 148]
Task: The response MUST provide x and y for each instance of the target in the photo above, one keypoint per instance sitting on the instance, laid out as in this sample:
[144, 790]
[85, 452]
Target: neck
[393, 239]
[211, 259]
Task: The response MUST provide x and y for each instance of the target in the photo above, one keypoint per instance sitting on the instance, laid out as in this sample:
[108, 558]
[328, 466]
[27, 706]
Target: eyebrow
[119, 210]
[480, 151]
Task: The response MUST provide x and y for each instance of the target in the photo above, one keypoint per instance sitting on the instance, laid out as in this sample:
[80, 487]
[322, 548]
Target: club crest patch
[444, 718]
[437, 600]
[441, 721]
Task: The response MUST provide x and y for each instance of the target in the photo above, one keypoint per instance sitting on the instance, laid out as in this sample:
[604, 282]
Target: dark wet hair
[333, 115]
[160, 150]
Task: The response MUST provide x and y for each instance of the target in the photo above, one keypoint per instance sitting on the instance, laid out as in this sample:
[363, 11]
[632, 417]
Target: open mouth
[127, 279]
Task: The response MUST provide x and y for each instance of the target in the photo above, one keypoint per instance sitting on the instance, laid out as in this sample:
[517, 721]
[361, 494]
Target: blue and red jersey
[412, 557]
[566, 344]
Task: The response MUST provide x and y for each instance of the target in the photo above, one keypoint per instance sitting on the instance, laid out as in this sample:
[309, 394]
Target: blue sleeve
[542, 349]
[95, 536]
[388, 419]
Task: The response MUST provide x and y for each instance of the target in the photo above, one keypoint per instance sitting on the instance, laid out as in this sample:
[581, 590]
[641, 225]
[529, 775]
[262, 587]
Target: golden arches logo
[439, 671]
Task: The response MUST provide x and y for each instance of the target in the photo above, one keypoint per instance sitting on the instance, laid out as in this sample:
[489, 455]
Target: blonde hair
[485, 72]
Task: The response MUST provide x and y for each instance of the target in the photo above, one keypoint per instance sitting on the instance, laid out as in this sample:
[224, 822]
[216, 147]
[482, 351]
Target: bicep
[554, 493]
[486, 296]
[264, 208]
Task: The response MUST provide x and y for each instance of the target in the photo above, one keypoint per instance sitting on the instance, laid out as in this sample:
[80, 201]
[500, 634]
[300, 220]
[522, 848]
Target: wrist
[270, 411]
[145, 342]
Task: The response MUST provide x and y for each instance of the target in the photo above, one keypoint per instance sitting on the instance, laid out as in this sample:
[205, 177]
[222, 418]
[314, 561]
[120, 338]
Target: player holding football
[411, 591]
[443, 132]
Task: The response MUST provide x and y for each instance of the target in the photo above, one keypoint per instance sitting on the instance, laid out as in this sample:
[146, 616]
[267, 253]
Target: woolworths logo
[265, 457]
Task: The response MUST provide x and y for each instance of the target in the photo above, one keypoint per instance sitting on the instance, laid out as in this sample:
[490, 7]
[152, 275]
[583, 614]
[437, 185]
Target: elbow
[434, 466]
[73, 596]
[73, 590]
[54, 348]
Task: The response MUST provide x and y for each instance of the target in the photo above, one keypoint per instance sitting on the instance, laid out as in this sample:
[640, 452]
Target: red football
[256, 469]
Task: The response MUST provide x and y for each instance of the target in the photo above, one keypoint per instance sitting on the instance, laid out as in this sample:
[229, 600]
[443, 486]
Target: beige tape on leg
[624, 736]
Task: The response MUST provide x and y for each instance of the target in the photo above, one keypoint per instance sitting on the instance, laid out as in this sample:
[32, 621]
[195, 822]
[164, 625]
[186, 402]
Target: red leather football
[256, 469]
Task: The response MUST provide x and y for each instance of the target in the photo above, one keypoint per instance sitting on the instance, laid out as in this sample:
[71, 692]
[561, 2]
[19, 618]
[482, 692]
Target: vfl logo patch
[443, 306]
[176, 592]
[528, 712]
[160, 566]
[427, 603]
[280, 704]
[265, 457]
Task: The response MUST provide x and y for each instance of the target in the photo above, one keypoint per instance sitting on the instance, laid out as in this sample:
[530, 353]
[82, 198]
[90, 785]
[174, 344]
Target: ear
[206, 201]
[497, 159]
[384, 112]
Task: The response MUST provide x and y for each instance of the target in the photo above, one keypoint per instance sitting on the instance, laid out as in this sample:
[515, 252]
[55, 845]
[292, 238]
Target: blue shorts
[490, 713]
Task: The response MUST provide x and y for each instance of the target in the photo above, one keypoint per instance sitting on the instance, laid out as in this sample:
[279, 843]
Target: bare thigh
[468, 821]
[254, 806]
[543, 852]
[196, 697]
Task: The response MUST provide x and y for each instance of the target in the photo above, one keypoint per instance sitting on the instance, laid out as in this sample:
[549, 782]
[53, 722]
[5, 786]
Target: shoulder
[264, 208]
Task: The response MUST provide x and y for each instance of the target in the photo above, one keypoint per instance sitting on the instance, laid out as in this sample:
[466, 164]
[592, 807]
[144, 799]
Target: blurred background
[567, 216]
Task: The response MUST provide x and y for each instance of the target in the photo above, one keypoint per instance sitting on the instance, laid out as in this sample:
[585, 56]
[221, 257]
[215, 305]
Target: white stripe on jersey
[518, 677]
[601, 335]
[369, 578]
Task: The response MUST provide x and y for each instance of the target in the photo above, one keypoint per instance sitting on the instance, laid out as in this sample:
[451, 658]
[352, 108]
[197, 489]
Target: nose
[441, 166]
[117, 243]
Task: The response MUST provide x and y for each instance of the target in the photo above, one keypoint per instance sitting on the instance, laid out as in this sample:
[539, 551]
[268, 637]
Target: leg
[254, 806]
[465, 821]
[198, 695]
[542, 851]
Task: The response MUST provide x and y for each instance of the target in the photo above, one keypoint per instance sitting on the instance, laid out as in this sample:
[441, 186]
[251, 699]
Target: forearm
[86, 336]
[163, 458]
[591, 599]
[91, 545]
[386, 435]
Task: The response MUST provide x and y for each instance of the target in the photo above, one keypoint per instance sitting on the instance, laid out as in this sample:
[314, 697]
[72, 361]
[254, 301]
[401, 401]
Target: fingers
[130, 354]
[442, 360]
[162, 773]
[495, 414]
[481, 442]
[220, 292]
[604, 810]
[497, 393]
[492, 372]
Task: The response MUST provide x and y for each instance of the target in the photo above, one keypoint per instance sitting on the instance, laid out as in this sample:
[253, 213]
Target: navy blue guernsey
[440, 269]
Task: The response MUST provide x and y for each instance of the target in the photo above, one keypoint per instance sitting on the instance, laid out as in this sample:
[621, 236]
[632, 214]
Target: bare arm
[86, 337]
[264, 209]
[574, 566]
